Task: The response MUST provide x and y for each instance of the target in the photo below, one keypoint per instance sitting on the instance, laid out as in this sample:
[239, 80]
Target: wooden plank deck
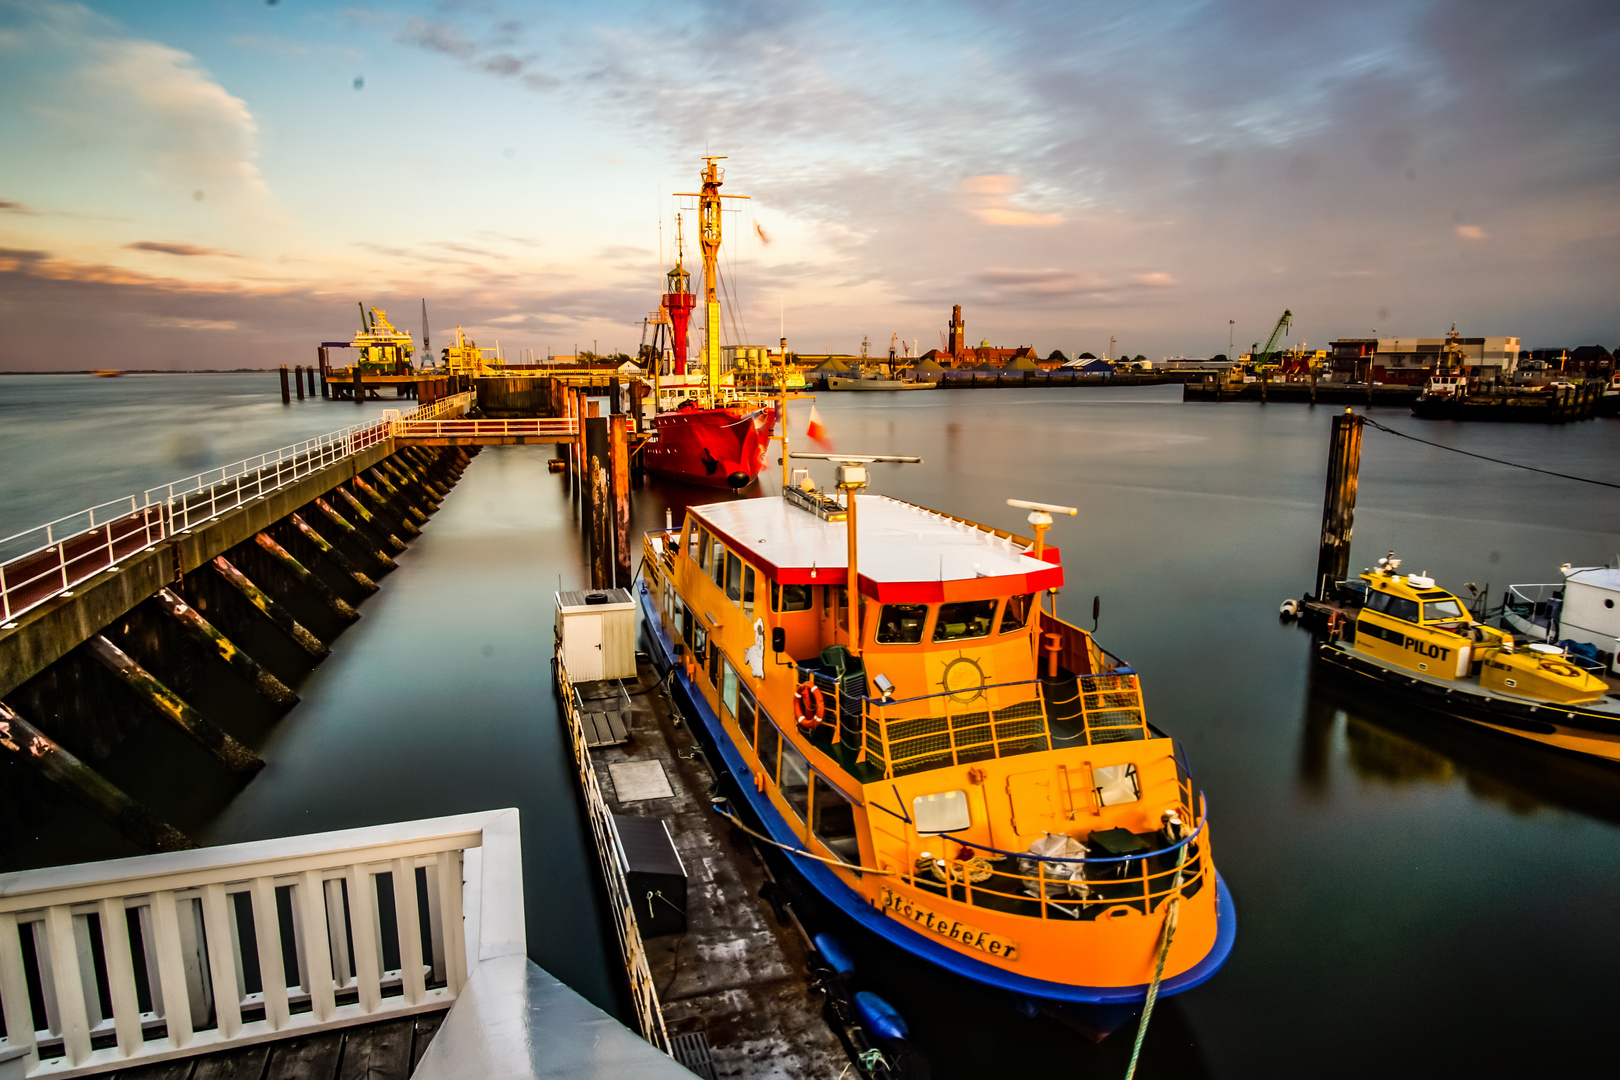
[383, 1051]
[734, 987]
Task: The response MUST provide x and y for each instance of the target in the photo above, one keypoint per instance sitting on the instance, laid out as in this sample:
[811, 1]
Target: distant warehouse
[1410, 361]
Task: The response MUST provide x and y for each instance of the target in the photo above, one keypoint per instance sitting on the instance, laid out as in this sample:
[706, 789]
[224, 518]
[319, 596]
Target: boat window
[728, 686]
[699, 641]
[795, 781]
[1016, 613]
[790, 597]
[717, 563]
[700, 547]
[837, 598]
[944, 812]
[770, 740]
[1116, 784]
[966, 619]
[733, 578]
[745, 714]
[1439, 610]
[748, 591]
[901, 624]
[1395, 606]
[833, 822]
[714, 666]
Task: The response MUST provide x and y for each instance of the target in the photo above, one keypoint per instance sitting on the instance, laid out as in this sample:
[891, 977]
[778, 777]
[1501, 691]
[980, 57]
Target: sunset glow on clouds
[216, 184]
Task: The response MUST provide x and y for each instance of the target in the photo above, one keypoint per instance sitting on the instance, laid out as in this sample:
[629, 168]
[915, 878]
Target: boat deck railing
[1076, 889]
[116, 964]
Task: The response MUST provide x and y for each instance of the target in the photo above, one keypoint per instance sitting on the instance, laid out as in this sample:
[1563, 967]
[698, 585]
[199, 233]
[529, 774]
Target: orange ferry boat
[958, 770]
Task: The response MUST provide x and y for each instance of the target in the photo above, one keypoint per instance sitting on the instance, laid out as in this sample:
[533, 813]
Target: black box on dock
[654, 872]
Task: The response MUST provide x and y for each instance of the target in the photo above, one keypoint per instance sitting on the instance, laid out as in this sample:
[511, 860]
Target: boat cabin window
[770, 741]
[728, 686]
[748, 591]
[717, 563]
[1395, 606]
[836, 600]
[1116, 784]
[733, 578]
[944, 812]
[698, 548]
[1442, 610]
[795, 780]
[966, 619]
[790, 597]
[714, 666]
[1016, 613]
[901, 624]
[746, 708]
[833, 822]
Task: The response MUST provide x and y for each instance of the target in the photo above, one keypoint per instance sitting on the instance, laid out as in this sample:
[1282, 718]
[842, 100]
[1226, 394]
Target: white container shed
[596, 634]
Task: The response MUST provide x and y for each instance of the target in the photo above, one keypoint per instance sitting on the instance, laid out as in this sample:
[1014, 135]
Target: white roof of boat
[906, 551]
[1602, 577]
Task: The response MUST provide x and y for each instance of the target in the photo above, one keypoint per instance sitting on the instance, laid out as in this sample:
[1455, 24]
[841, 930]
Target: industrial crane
[1261, 357]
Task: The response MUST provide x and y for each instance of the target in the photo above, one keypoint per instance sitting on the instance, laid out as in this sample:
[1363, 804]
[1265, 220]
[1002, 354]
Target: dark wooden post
[597, 462]
[309, 373]
[615, 403]
[298, 378]
[620, 451]
[359, 387]
[1339, 504]
[323, 360]
[638, 391]
[286, 394]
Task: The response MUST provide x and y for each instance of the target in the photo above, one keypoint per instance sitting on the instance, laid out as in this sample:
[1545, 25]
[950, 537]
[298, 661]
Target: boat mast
[709, 238]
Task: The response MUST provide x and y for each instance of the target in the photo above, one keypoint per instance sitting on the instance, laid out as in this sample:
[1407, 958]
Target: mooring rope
[799, 851]
[1171, 909]
[1483, 457]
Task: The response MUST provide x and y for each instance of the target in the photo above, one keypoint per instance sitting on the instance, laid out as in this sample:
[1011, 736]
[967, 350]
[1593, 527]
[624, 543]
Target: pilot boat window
[833, 822]
[728, 686]
[901, 624]
[745, 714]
[717, 563]
[1441, 610]
[748, 591]
[700, 548]
[1396, 606]
[966, 619]
[1116, 784]
[733, 578]
[790, 597]
[795, 781]
[944, 812]
[1016, 613]
[770, 740]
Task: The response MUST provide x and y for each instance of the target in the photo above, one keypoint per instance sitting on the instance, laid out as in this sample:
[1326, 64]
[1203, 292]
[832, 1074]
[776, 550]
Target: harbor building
[1410, 361]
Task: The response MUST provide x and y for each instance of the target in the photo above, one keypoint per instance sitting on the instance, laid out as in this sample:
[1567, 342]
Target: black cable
[632, 693]
[1482, 457]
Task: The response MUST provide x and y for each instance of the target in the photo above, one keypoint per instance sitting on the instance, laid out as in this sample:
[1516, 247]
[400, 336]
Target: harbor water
[1413, 898]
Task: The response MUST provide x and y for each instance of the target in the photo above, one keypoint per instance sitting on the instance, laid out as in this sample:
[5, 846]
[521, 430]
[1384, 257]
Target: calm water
[1412, 898]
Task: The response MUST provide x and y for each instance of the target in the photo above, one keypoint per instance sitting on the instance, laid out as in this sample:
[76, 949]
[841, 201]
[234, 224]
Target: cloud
[177, 249]
[14, 207]
[1470, 232]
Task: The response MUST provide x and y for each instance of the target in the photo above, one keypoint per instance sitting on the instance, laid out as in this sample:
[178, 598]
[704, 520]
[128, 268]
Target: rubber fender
[879, 1017]
[832, 950]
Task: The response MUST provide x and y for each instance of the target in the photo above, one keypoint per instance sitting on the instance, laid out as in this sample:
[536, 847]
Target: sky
[218, 184]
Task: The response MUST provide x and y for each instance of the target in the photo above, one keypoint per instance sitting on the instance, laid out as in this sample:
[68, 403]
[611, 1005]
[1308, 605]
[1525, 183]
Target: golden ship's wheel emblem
[963, 679]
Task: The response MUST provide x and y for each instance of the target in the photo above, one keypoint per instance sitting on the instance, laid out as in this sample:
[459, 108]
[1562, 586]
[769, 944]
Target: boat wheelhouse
[958, 770]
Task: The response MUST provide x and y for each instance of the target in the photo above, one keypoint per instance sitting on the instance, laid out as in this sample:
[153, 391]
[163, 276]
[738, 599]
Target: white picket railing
[44, 562]
[543, 427]
[108, 965]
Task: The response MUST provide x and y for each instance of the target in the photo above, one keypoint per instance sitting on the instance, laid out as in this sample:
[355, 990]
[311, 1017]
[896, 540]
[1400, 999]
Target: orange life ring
[1559, 668]
[807, 705]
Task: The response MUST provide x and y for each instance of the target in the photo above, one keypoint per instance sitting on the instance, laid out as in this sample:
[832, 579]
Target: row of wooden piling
[598, 468]
[254, 620]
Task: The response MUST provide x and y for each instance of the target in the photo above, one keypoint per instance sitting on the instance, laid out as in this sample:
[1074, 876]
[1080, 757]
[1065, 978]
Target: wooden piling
[333, 555]
[383, 506]
[309, 376]
[321, 359]
[1339, 504]
[359, 385]
[277, 614]
[399, 500]
[201, 730]
[208, 636]
[370, 520]
[298, 380]
[27, 743]
[598, 460]
[307, 578]
[406, 476]
[619, 450]
[373, 552]
[286, 393]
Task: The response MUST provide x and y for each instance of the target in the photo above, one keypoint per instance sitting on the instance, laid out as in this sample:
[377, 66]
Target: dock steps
[604, 728]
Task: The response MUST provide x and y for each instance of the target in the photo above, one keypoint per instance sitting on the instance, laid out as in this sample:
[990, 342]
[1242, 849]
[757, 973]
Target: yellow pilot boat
[959, 771]
[1422, 642]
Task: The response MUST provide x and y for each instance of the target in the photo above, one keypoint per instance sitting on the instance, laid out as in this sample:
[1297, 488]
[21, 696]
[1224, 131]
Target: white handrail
[184, 936]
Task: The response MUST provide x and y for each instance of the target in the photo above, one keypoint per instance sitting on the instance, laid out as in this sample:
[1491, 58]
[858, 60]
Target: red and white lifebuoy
[807, 705]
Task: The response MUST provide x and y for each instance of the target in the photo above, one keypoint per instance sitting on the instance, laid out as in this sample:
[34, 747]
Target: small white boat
[1583, 608]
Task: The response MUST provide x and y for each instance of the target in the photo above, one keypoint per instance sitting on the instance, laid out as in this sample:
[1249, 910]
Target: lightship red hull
[723, 448]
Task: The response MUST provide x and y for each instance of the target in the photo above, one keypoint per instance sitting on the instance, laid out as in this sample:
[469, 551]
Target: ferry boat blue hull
[834, 891]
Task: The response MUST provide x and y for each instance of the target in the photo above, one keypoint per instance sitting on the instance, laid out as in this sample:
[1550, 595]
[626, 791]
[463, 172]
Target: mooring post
[298, 380]
[637, 393]
[321, 359]
[201, 730]
[620, 451]
[208, 636]
[286, 392]
[615, 403]
[597, 462]
[1339, 505]
[359, 385]
[309, 374]
[133, 819]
